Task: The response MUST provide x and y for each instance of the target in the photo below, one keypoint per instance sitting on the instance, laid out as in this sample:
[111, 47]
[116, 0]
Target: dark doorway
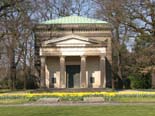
[73, 76]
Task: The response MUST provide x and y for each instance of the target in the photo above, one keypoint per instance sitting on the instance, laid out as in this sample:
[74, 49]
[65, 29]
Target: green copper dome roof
[74, 20]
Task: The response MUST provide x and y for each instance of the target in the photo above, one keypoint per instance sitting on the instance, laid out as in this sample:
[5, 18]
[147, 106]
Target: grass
[119, 110]
[14, 101]
[14, 91]
[135, 99]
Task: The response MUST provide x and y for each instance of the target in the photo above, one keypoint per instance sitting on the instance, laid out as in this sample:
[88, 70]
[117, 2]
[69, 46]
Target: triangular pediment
[71, 40]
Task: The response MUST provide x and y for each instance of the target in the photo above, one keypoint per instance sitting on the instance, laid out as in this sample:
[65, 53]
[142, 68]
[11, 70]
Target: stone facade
[73, 55]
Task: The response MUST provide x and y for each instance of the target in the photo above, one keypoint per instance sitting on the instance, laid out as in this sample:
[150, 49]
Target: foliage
[4, 83]
[32, 82]
[140, 81]
[118, 83]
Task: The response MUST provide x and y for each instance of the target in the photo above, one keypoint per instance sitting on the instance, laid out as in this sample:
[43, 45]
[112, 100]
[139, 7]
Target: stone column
[47, 78]
[103, 71]
[62, 72]
[83, 72]
[42, 80]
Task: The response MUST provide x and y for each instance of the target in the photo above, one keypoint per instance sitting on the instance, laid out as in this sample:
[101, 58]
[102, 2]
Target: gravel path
[76, 104]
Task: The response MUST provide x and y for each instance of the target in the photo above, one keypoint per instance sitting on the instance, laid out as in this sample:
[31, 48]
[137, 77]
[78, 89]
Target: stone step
[48, 100]
[93, 99]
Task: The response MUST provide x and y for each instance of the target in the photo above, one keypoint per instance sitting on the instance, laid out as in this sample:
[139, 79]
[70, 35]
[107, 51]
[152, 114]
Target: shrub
[126, 83]
[118, 83]
[32, 82]
[4, 83]
[140, 81]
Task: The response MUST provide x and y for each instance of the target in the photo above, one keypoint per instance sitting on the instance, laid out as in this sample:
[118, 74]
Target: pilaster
[42, 79]
[103, 71]
[83, 72]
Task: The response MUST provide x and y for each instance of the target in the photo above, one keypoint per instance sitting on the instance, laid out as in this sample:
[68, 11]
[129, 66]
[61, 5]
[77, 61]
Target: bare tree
[113, 12]
[141, 20]
[16, 28]
[49, 9]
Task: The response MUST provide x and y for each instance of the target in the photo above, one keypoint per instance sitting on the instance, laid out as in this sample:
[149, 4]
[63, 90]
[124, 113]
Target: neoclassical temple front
[73, 52]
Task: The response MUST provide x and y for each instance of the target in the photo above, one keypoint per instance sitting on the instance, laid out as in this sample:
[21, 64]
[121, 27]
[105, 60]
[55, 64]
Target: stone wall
[53, 69]
[93, 71]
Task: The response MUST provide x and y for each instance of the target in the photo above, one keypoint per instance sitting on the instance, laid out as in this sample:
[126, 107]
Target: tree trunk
[25, 81]
[12, 79]
[25, 66]
[119, 66]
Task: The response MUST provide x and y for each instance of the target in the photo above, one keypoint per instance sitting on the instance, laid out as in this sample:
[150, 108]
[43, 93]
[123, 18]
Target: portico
[74, 56]
[60, 79]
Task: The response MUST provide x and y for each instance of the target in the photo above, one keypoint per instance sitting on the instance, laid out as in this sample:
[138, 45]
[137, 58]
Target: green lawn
[116, 110]
[134, 99]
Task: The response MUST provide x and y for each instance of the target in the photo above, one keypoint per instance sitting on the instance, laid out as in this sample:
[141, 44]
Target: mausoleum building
[73, 52]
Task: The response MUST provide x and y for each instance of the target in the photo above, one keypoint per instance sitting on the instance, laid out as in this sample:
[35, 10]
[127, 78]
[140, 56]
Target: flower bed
[78, 96]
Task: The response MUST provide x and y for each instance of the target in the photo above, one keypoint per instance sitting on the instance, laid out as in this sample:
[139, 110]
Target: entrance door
[73, 76]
